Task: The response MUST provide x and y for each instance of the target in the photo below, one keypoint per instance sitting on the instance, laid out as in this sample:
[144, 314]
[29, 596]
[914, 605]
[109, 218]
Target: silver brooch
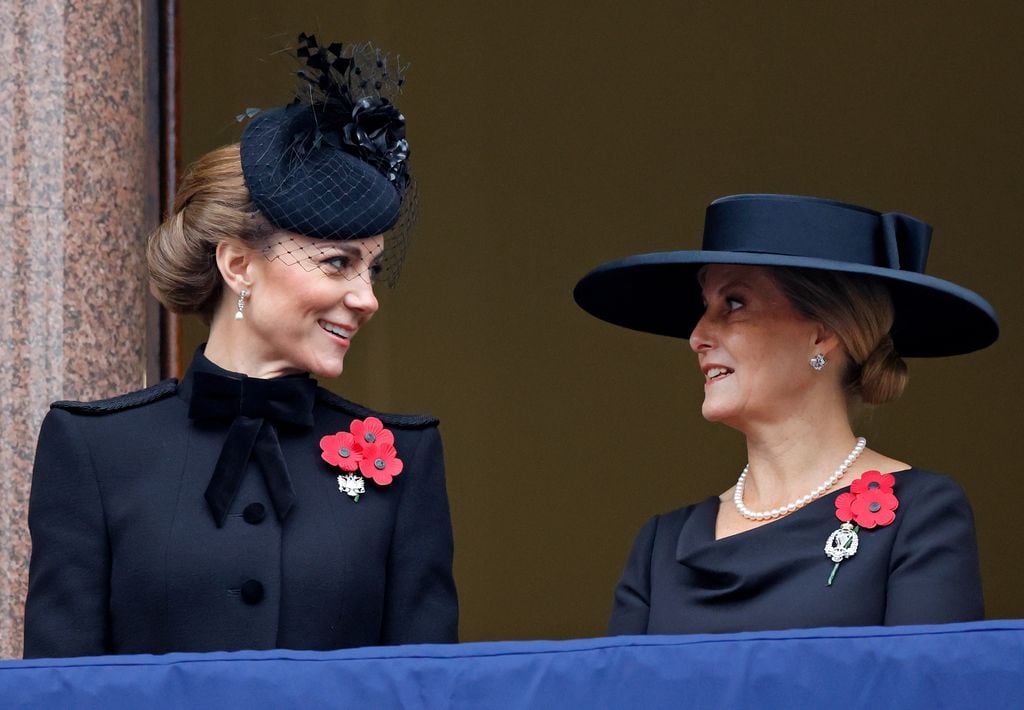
[351, 485]
[842, 543]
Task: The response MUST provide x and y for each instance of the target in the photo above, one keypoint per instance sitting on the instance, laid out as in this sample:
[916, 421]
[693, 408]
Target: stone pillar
[78, 193]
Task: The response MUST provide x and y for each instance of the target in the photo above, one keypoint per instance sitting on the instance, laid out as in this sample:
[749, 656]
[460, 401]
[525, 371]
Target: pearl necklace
[737, 496]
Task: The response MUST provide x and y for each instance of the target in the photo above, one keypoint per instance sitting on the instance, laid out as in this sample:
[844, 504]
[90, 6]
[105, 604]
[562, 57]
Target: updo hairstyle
[859, 310]
[212, 204]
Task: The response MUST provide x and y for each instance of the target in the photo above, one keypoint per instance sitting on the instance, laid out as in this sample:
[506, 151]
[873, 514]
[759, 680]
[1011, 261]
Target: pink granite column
[78, 193]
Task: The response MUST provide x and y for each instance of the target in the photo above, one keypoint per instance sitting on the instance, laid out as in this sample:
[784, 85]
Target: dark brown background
[549, 137]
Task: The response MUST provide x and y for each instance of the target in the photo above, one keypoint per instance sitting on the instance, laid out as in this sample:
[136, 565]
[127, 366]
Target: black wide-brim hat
[326, 193]
[659, 293]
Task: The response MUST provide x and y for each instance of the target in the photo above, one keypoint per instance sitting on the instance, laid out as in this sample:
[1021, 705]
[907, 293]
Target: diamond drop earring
[240, 313]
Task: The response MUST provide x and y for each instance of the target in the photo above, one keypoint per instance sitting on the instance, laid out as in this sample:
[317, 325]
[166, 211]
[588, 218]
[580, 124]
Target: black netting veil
[334, 163]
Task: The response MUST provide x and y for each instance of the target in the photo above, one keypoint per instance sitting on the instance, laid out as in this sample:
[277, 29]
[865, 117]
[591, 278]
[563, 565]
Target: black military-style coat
[127, 556]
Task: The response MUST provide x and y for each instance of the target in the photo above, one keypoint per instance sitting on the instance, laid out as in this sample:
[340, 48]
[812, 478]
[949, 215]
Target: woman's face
[753, 348]
[308, 299]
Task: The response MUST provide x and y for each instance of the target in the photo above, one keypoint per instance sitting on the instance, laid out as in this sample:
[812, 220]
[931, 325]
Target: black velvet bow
[255, 406]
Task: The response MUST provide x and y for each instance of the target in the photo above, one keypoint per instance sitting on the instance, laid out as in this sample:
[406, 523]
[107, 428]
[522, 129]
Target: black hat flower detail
[377, 132]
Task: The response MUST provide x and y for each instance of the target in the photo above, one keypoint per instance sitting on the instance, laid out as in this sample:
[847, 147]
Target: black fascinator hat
[333, 163]
[659, 293]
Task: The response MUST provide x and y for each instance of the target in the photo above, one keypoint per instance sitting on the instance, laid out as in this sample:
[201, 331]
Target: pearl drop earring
[240, 313]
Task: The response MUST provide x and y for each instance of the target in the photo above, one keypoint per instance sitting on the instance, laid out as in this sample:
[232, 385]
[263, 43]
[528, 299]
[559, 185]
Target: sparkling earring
[240, 313]
[818, 362]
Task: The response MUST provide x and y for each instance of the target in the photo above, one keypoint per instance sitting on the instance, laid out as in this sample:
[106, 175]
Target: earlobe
[825, 347]
[235, 263]
[825, 341]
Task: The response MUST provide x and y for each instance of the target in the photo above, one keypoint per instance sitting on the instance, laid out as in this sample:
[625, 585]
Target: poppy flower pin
[869, 503]
[368, 449]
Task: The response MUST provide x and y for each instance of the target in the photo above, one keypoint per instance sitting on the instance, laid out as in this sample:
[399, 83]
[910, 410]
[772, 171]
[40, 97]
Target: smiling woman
[245, 507]
[798, 309]
[299, 319]
[793, 307]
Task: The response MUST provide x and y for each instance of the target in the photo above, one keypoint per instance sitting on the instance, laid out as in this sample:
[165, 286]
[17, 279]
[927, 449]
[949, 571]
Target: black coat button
[252, 592]
[254, 513]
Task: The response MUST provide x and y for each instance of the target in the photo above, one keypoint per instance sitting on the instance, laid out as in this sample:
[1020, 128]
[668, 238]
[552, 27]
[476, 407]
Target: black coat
[920, 569]
[127, 557]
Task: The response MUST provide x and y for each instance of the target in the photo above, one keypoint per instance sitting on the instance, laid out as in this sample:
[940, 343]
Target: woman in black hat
[798, 308]
[245, 507]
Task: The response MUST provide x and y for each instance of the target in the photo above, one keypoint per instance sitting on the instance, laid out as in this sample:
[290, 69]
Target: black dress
[921, 569]
[128, 556]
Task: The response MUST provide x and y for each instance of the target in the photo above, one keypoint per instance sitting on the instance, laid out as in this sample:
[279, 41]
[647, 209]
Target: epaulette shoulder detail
[121, 402]
[408, 421]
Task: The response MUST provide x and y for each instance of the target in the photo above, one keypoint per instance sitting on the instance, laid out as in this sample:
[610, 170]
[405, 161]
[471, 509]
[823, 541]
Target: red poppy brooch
[869, 503]
[367, 447]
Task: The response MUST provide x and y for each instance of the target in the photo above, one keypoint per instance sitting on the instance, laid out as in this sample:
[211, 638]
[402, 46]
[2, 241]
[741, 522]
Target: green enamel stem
[835, 567]
[356, 499]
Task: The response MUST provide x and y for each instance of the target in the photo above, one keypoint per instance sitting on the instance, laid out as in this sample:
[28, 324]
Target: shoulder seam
[412, 421]
[121, 402]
